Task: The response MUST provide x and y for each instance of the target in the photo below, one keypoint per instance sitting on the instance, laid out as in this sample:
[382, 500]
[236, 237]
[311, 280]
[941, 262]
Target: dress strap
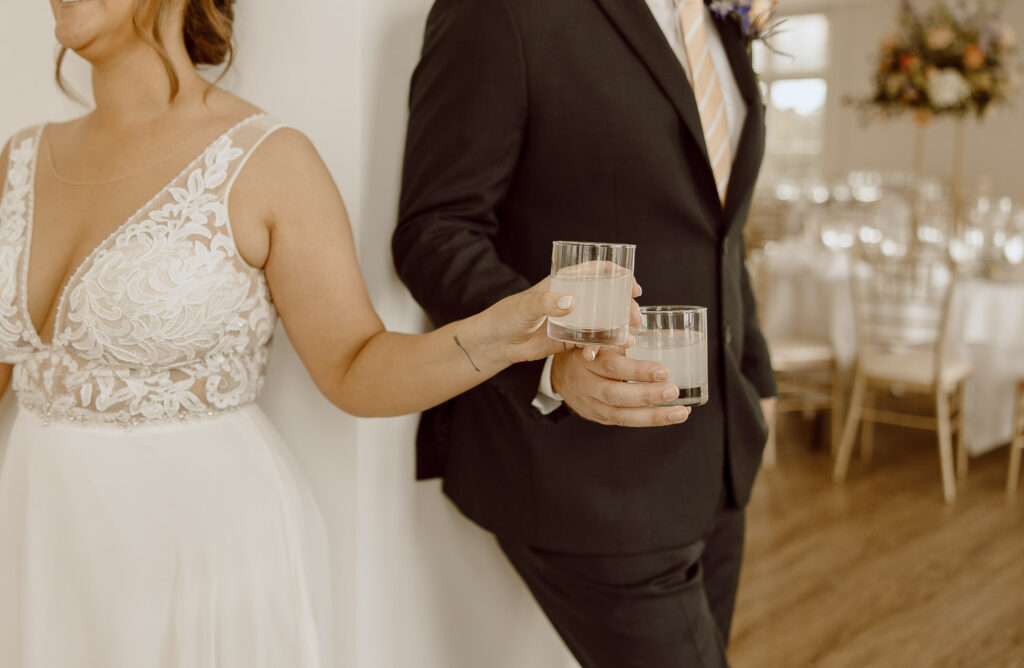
[247, 137]
[23, 151]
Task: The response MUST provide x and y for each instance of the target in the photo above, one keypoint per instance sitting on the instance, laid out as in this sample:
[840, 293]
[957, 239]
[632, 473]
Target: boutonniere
[753, 16]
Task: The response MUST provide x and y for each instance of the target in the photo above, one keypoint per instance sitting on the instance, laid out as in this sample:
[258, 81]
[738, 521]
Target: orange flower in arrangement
[974, 57]
[909, 62]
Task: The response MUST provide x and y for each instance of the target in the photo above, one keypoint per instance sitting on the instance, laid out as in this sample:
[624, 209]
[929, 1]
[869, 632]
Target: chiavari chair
[902, 310]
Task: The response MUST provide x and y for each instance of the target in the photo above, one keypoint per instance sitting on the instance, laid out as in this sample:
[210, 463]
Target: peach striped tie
[708, 91]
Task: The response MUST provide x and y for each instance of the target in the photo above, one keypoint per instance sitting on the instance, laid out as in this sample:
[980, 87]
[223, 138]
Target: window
[793, 82]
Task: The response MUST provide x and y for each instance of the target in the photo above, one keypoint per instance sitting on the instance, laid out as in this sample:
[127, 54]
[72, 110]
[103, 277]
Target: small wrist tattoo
[463, 349]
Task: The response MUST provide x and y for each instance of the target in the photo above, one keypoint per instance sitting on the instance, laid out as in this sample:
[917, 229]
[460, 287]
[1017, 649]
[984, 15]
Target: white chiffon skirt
[190, 545]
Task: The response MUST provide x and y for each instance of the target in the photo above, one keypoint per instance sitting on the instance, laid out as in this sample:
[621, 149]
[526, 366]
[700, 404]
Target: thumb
[536, 306]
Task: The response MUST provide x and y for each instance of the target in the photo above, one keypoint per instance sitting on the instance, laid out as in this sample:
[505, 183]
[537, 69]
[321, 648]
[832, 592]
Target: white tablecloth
[806, 292]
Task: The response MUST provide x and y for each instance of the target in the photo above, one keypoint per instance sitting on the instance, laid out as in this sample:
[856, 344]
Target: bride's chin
[76, 25]
[72, 44]
[73, 38]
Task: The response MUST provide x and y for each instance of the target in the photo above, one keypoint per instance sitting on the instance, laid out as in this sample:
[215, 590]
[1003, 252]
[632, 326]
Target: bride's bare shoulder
[286, 148]
[286, 157]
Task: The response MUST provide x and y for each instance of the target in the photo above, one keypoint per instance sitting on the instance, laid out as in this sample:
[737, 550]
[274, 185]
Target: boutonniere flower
[753, 16]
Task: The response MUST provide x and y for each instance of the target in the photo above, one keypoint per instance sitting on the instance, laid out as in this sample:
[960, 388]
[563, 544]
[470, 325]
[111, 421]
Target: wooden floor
[878, 572]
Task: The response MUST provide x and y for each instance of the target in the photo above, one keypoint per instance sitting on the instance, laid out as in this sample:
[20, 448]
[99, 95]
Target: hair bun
[208, 31]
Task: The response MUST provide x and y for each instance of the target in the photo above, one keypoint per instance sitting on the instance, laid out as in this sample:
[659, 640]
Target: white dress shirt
[667, 15]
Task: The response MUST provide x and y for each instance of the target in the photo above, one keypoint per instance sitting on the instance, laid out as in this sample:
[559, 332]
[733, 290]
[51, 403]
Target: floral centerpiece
[948, 60]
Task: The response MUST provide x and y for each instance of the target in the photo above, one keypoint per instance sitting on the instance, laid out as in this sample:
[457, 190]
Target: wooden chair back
[902, 306]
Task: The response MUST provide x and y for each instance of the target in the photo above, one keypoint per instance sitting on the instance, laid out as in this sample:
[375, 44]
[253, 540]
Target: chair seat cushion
[789, 354]
[914, 368]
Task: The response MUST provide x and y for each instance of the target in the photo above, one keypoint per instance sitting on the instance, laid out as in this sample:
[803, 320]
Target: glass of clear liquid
[676, 336]
[600, 279]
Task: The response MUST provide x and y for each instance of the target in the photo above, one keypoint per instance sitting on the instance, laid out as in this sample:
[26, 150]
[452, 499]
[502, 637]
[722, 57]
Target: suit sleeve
[467, 114]
[756, 363]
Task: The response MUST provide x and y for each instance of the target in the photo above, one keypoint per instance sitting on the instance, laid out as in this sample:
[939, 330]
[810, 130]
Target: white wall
[298, 66]
[995, 147]
[435, 591]
[415, 584]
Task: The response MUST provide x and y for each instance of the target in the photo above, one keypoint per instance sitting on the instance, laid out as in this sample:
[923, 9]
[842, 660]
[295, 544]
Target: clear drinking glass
[600, 279]
[676, 336]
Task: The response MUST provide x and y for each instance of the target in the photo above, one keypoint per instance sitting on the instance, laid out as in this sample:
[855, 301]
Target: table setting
[803, 278]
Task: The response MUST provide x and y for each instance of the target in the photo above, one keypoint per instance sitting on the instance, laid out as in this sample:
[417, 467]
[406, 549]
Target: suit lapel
[749, 153]
[638, 26]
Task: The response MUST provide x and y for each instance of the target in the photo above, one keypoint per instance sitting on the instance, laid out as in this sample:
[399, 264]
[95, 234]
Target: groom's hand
[596, 389]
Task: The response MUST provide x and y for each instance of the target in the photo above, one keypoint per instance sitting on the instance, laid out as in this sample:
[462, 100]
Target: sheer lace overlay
[164, 320]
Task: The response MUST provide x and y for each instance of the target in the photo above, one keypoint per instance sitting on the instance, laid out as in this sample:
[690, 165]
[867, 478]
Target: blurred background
[886, 247]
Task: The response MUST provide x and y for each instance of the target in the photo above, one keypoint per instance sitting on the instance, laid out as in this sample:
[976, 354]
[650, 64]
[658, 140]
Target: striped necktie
[708, 91]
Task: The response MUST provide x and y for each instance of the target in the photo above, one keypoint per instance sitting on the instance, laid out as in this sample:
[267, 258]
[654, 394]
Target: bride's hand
[518, 322]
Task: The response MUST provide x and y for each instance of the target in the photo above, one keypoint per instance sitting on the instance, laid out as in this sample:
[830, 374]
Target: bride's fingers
[541, 286]
[590, 353]
[637, 290]
[635, 318]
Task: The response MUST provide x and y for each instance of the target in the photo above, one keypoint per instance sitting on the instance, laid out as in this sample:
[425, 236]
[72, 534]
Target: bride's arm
[316, 284]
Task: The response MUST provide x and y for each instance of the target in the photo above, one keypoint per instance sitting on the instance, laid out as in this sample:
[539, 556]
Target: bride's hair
[208, 30]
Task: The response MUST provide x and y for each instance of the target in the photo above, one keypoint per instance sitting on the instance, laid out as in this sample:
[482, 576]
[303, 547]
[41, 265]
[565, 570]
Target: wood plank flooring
[878, 572]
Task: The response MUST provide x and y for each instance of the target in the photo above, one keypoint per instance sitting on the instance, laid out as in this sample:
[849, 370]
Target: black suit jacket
[537, 120]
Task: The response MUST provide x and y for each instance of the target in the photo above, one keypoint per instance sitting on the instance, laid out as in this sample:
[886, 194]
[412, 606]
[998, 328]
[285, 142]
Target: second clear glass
[676, 336]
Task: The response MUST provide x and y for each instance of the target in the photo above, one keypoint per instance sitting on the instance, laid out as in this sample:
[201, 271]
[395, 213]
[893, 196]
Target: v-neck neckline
[61, 297]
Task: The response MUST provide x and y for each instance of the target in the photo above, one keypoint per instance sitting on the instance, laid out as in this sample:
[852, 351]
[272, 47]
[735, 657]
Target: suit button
[727, 335]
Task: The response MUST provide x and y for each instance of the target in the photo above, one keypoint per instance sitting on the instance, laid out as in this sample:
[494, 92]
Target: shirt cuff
[547, 400]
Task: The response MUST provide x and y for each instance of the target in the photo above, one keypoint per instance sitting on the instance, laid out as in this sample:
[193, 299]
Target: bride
[149, 514]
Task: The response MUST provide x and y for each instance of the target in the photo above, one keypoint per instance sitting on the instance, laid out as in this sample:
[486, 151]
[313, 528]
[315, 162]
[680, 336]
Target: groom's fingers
[595, 390]
[612, 364]
[651, 416]
[615, 395]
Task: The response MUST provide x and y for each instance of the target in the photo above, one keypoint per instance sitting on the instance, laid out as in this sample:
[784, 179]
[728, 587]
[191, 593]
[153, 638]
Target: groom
[634, 121]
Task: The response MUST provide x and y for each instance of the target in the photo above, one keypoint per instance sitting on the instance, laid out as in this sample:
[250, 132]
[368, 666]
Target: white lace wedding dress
[150, 516]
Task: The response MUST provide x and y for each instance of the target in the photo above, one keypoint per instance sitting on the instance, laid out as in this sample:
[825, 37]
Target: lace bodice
[164, 320]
